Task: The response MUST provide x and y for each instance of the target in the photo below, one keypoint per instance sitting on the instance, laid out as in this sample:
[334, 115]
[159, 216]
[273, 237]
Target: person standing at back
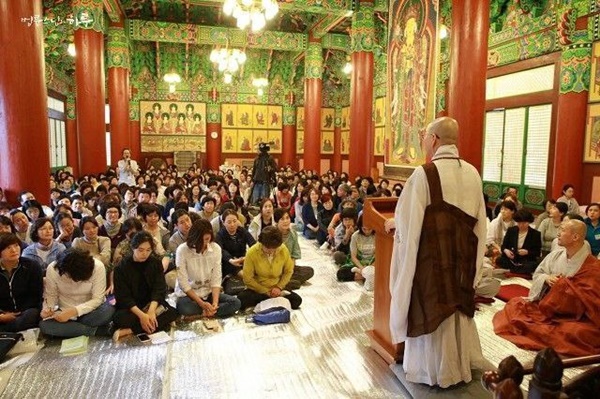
[127, 168]
[439, 243]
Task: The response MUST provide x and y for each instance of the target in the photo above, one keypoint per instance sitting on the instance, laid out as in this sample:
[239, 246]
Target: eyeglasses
[424, 134]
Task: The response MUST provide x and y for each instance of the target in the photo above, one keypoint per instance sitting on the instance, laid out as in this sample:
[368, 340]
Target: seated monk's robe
[567, 318]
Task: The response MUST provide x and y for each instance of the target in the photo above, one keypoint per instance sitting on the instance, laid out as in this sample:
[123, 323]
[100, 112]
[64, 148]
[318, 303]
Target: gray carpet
[322, 353]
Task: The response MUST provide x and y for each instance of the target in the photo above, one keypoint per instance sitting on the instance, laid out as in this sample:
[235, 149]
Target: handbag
[275, 315]
[7, 341]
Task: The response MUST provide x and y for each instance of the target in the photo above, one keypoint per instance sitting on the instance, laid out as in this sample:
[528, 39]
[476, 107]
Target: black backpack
[7, 341]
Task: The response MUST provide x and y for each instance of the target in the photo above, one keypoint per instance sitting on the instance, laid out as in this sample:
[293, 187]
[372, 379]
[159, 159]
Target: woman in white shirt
[199, 275]
[74, 297]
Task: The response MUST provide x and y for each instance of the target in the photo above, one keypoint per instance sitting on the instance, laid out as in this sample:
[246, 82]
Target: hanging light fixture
[347, 69]
[253, 13]
[260, 84]
[172, 78]
[228, 61]
[71, 49]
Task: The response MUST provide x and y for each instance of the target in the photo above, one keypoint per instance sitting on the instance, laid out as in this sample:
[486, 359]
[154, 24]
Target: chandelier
[172, 78]
[260, 84]
[228, 61]
[253, 13]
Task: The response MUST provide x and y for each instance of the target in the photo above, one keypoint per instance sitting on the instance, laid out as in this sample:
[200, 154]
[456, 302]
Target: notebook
[160, 337]
[74, 346]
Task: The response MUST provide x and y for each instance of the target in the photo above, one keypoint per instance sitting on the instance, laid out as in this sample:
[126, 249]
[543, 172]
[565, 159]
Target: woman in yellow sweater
[268, 268]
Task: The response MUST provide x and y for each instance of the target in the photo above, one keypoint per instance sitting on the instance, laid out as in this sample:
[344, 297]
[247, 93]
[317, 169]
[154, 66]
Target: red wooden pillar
[360, 159]
[469, 46]
[313, 98]
[135, 140]
[89, 77]
[575, 65]
[71, 132]
[213, 134]
[288, 153]
[336, 160]
[24, 157]
[118, 91]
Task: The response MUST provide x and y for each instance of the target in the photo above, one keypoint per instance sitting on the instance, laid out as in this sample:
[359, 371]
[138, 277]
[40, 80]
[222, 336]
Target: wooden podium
[375, 212]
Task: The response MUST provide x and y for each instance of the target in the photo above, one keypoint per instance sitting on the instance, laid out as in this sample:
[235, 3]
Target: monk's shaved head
[445, 128]
[576, 227]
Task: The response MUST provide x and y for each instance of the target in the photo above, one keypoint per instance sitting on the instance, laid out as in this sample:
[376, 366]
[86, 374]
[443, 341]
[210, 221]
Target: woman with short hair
[111, 228]
[268, 268]
[21, 286]
[74, 296]
[140, 291]
[43, 250]
[199, 276]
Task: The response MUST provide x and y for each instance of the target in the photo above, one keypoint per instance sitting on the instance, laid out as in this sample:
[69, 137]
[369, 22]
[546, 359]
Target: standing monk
[439, 244]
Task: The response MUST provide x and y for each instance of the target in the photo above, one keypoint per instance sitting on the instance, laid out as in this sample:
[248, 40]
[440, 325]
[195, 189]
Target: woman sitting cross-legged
[522, 245]
[268, 268]
[199, 275]
[140, 291]
[290, 239]
[21, 285]
[362, 257]
[75, 303]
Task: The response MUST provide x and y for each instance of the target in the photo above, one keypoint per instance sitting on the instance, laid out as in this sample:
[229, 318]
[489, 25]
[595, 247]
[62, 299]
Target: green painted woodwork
[195, 34]
[88, 14]
[117, 49]
[313, 61]
[575, 64]
[71, 114]
[363, 29]
[113, 10]
[213, 112]
[289, 115]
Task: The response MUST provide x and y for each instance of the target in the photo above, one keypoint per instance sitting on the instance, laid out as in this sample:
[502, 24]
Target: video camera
[264, 147]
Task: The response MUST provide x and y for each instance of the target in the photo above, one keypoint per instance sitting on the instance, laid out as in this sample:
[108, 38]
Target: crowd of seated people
[110, 253]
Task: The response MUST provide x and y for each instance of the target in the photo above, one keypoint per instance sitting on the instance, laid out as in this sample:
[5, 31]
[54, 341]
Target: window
[57, 133]
[516, 151]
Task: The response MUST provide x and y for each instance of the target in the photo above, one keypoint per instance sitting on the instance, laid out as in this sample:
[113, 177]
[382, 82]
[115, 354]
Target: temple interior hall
[330, 85]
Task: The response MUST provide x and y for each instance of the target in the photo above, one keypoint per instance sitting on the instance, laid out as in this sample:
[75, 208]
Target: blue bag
[275, 315]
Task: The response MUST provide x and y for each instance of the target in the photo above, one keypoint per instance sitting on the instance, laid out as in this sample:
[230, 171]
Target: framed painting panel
[245, 116]
[152, 143]
[327, 118]
[229, 143]
[258, 136]
[244, 143]
[326, 142]
[300, 142]
[196, 143]
[275, 117]
[174, 143]
[300, 118]
[378, 140]
[592, 135]
[345, 144]
[229, 115]
[275, 138]
[260, 115]
[345, 118]
[379, 114]
[412, 60]
[594, 92]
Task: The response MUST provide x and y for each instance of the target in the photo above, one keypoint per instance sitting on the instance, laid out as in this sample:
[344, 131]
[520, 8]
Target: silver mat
[322, 353]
